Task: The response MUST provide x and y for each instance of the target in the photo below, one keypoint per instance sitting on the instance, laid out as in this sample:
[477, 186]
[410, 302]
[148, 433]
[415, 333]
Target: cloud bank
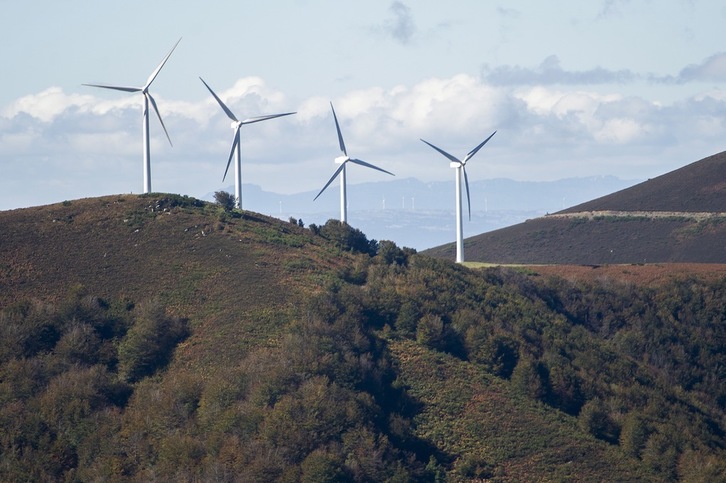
[57, 145]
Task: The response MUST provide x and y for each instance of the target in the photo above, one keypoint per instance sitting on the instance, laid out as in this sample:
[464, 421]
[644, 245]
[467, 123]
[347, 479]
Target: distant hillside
[421, 215]
[697, 187]
[676, 217]
[160, 338]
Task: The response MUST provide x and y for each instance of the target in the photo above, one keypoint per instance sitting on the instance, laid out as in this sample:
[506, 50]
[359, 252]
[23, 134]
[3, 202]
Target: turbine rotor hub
[341, 159]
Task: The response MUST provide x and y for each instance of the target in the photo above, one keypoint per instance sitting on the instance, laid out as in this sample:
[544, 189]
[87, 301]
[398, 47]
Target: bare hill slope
[677, 217]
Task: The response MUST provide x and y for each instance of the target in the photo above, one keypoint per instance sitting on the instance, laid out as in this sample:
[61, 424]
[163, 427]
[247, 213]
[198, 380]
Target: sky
[629, 88]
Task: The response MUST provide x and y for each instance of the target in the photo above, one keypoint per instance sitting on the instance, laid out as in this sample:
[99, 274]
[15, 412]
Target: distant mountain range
[421, 215]
[677, 217]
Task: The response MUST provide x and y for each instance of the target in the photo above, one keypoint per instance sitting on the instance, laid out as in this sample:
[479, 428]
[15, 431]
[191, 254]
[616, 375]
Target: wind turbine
[460, 166]
[342, 161]
[145, 123]
[236, 125]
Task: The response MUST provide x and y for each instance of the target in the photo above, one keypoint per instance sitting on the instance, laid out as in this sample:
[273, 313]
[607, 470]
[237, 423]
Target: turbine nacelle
[341, 160]
[236, 125]
[455, 162]
[148, 99]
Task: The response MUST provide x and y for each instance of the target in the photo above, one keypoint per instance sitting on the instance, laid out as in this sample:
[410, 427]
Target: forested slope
[219, 346]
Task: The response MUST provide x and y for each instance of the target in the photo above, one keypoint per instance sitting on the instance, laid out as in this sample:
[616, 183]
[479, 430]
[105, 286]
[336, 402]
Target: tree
[149, 343]
[226, 200]
[527, 378]
[594, 419]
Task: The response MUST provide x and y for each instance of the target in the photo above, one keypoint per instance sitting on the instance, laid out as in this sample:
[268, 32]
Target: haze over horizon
[617, 87]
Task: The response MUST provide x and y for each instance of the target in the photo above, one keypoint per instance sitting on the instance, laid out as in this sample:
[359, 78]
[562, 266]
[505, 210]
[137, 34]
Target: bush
[430, 331]
[528, 379]
[595, 420]
[226, 200]
[348, 238]
[391, 254]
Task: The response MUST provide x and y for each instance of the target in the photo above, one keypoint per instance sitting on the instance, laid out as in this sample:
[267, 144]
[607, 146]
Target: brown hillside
[697, 187]
[235, 278]
[677, 217]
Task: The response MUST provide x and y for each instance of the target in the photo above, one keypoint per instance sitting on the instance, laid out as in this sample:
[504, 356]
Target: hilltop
[157, 337]
[676, 217]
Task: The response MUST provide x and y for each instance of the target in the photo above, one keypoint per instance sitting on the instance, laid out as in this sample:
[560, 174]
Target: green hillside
[157, 337]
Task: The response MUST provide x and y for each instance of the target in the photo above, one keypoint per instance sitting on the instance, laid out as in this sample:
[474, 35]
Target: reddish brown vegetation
[650, 275]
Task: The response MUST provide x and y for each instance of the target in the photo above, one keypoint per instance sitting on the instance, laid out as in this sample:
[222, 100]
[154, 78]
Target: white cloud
[543, 133]
[47, 104]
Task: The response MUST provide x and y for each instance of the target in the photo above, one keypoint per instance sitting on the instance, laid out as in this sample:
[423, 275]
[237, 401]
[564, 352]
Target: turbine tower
[342, 161]
[460, 166]
[145, 122]
[236, 125]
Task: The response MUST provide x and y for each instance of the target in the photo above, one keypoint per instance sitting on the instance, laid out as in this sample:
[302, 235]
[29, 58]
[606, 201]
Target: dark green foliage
[225, 199]
[322, 466]
[391, 254]
[528, 378]
[407, 318]
[348, 238]
[430, 331]
[595, 419]
[634, 434]
[149, 343]
[498, 353]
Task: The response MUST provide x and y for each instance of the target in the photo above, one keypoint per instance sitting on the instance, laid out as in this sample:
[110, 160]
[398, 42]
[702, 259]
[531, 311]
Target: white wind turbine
[342, 161]
[460, 166]
[236, 125]
[145, 123]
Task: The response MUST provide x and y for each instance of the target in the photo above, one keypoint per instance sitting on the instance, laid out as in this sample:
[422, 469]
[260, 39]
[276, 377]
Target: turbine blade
[235, 144]
[369, 165]
[476, 149]
[466, 183]
[337, 172]
[450, 157]
[156, 110]
[158, 69]
[340, 135]
[116, 88]
[219, 101]
[252, 120]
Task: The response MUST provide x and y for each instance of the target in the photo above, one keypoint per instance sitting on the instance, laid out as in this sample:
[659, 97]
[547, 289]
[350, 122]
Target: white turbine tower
[145, 123]
[236, 125]
[342, 161]
[460, 166]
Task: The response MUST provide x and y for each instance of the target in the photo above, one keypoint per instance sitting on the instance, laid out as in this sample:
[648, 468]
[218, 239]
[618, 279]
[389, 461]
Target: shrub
[528, 378]
[430, 331]
[595, 420]
[348, 238]
[225, 199]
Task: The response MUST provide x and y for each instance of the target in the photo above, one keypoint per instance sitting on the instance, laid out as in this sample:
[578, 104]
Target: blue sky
[631, 88]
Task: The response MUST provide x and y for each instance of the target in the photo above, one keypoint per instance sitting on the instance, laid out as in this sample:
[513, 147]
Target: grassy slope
[236, 280]
[475, 417]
